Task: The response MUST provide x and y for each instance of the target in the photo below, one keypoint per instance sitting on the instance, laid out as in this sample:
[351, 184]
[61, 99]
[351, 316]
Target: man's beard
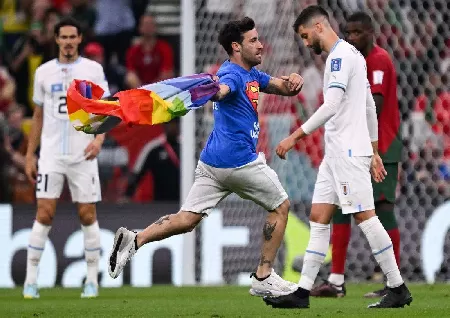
[316, 47]
[68, 56]
[252, 61]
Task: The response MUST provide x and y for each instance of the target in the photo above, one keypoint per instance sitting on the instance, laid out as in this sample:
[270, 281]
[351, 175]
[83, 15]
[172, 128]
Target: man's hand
[31, 168]
[284, 146]
[377, 168]
[93, 149]
[294, 82]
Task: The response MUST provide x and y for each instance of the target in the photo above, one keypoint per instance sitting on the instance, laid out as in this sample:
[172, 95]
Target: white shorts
[254, 181]
[82, 177]
[345, 182]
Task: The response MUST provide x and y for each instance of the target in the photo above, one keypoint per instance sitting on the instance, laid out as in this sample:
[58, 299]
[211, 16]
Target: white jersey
[52, 79]
[347, 133]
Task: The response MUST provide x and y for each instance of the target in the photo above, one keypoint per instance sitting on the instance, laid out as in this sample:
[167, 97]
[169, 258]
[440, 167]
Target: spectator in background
[61, 5]
[22, 190]
[115, 74]
[7, 89]
[150, 60]
[114, 27]
[24, 59]
[49, 48]
[85, 15]
[17, 138]
[160, 157]
[16, 17]
[167, 15]
[39, 8]
[5, 163]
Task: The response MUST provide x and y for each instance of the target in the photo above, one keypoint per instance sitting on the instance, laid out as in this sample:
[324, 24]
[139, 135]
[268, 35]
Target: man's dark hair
[308, 14]
[363, 18]
[233, 31]
[67, 21]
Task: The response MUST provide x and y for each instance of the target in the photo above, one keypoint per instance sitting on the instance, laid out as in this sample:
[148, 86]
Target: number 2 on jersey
[62, 105]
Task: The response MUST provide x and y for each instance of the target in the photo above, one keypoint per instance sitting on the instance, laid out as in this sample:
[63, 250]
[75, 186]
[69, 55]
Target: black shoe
[395, 298]
[287, 301]
[327, 289]
[378, 293]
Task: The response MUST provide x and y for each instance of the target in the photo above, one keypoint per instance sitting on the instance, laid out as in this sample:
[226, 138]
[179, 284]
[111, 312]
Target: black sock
[257, 278]
[302, 293]
[399, 289]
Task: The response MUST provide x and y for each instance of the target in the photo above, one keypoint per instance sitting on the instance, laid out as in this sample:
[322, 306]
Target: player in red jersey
[382, 76]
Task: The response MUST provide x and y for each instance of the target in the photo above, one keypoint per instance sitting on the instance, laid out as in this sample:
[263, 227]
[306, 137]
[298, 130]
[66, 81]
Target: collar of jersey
[78, 60]
[335, 44]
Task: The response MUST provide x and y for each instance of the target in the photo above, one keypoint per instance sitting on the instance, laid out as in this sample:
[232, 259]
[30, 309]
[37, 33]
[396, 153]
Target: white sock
[336, 279]
[92, 251]
[319, 240]
[382, 250]
[36, 244]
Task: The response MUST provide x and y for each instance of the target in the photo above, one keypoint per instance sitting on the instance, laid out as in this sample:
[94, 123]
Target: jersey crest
[336, 65]
[252, 91]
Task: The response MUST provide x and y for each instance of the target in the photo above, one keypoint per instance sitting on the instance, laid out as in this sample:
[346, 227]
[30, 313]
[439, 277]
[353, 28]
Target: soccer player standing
[344, 177]
[64, 153]
[383, 84]
[229, 162]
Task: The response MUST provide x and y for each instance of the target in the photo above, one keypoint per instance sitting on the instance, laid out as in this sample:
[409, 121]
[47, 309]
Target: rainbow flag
[148, 105]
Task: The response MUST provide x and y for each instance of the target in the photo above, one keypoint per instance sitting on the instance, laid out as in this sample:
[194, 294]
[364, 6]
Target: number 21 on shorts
[42, 182]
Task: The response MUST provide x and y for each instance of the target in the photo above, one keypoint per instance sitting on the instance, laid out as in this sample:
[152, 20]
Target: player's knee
[87, 213]
[319, 218]
[363, 216]
[189, 220]
[45, 212]
[322, 213]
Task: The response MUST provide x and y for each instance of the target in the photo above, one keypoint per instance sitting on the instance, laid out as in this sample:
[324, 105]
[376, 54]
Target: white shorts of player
[82, 178]
[254, 181]
[346, 182]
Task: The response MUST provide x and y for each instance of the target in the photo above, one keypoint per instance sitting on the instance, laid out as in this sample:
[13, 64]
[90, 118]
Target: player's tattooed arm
[162, 219]
[222, 93]
[286, 85]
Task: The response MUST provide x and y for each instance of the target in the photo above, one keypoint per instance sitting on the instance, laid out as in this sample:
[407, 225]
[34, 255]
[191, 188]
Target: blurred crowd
[138, 42]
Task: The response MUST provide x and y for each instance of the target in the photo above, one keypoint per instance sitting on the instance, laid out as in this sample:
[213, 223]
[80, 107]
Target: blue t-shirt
[232, 143]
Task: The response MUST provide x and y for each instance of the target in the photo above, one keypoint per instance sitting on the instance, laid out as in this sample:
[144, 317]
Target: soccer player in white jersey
[229, 162]
[64, 153]
[344, 177]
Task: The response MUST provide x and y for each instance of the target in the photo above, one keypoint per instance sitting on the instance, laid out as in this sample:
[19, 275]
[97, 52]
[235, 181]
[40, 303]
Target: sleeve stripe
[341, 87]
[336, 83]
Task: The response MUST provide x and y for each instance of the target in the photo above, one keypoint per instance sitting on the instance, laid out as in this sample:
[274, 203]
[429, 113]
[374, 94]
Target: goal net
[417, 37]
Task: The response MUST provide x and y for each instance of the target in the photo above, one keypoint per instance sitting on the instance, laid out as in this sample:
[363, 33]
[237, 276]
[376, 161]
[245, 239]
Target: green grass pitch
[168, 301]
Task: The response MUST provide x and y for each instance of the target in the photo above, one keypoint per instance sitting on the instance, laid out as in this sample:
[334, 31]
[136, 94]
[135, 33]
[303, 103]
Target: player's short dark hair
[308, 14]
[363, 18]
[233, 31]
[67, 21]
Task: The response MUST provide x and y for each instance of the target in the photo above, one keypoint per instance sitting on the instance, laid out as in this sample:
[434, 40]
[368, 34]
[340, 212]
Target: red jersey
[383, 80]
[149, 64]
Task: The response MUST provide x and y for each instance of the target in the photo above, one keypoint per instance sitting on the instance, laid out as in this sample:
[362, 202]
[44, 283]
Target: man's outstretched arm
[222, 93]
[286, 85]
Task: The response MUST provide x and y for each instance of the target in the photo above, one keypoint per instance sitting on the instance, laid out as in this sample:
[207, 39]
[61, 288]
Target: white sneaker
[123, 250]
[273, 286]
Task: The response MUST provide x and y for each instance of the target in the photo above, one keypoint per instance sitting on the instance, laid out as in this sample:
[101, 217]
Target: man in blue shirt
[229, 162]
